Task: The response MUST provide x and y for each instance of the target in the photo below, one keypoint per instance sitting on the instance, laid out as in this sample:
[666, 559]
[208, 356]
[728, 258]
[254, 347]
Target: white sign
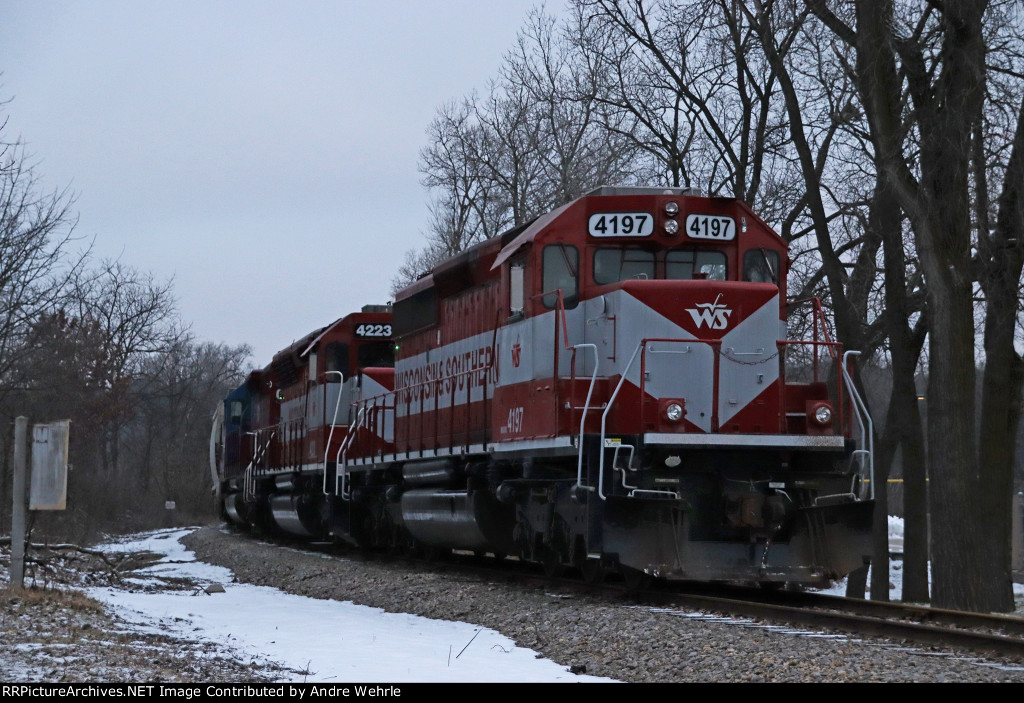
[710, 227]
[621, 224]
[50, 466]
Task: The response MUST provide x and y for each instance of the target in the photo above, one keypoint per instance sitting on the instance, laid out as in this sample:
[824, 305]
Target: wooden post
[19, 513]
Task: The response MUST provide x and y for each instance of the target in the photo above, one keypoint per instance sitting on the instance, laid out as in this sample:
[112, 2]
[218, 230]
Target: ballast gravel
[594, 634]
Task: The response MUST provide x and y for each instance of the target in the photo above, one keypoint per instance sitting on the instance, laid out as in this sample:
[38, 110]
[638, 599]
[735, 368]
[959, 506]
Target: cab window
[685, 264]
[561, 264]
[380, 353]
[613, 264]
[761, 266]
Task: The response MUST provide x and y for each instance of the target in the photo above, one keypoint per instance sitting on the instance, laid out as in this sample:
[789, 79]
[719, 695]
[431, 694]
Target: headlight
[671, 226]
[671, 209]
[823, 414]
[674, 412]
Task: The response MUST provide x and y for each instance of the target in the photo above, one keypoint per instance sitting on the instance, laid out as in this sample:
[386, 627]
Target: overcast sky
[263, 154]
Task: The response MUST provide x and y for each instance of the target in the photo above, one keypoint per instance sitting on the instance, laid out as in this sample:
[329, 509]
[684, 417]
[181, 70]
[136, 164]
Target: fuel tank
[458, 519]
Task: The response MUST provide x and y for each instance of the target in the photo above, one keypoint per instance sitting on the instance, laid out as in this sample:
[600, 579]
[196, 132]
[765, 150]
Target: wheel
[402, 543]
[635, 579]
[552, 563]
[433, 554]
[593, 571]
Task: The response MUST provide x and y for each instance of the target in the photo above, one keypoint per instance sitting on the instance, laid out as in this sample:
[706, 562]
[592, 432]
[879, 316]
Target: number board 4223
[710, 227]
[372, 330]
[621, 224]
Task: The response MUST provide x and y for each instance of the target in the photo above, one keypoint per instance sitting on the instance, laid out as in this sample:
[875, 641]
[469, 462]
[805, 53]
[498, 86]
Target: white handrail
[215, 438]
[867, 429]
[341, 458]
[334, 420]
[604, 420]
[583, 417]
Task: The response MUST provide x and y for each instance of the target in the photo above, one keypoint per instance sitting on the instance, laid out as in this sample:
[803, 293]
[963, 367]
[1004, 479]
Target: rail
[585, 410]
[560, 317]
[633, 491]
[366, 413]
[818, 319]
[436, 385]
[604, 421]
[334, 423]
[368, 410]
[341, 458]
[866, 446]
[258, 451]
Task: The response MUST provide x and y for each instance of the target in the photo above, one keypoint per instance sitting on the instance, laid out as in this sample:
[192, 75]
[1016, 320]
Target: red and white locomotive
[604, 388]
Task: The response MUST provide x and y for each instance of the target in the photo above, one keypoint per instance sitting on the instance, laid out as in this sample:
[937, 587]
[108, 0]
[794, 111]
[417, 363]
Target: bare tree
[136, 318]
[531, 143]
[682, 83]
[577, 150]
[36, 232]
[167, 435]
[36, 261]
[947, 87]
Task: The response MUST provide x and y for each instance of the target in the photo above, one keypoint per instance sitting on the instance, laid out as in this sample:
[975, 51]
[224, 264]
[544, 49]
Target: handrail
[409, 390]
[341, 458]
[583, 415]
[867, 429]
[249, 481]
[604, 420]
[334, 420]
[216, 438]
[818, 315]
[832, 348]
[634, 490]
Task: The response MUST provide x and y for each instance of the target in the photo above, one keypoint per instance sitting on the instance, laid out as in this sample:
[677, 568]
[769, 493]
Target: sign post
[49, 482]
[19, 513]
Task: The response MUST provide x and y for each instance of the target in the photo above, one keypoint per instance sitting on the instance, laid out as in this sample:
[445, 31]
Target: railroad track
[979, 632]
[904, 623]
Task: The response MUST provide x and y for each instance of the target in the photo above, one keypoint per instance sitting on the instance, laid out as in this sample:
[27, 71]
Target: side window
[517, 287]
[613, 264]
[337, 359]
[561, 264]
[685, 264]
[761, 266]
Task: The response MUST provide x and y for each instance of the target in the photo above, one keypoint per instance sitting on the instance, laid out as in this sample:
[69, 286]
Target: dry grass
[34, 597]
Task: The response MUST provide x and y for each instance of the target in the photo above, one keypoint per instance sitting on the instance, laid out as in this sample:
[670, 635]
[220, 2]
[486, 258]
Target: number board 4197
[710, 227]
[621, 224]
[372, 330]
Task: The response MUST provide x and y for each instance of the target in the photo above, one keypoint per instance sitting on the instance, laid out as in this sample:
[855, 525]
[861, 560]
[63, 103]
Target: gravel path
[605, 639]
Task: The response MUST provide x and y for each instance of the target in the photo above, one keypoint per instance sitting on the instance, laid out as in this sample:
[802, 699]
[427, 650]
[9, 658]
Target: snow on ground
[331, 641]
[320, 640]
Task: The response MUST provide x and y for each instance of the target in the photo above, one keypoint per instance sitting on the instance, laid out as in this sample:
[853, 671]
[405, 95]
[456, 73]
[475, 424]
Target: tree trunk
[903, 422]
[1002, 257]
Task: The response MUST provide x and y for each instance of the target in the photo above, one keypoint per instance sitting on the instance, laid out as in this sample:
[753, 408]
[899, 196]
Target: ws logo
[715, 316]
